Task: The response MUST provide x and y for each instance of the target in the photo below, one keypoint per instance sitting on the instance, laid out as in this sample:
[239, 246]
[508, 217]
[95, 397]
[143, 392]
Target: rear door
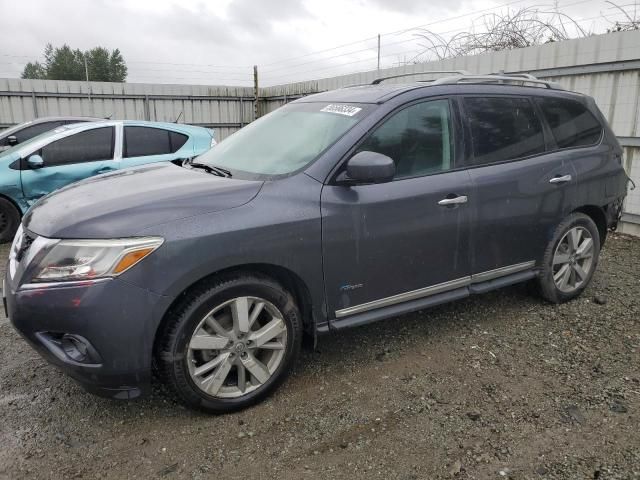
[150, 144]
[577, 135]
[69, 159]
[521, 191]
[395, 242]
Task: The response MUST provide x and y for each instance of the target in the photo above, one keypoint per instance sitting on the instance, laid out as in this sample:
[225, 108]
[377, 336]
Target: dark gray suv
[336, 210]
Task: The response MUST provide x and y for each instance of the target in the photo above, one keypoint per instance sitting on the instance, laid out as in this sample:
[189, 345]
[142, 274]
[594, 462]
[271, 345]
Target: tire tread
[170, 332]
[546, 285]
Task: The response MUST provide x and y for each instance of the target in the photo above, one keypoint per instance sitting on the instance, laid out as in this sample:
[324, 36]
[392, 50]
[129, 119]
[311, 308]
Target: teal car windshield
[35, 139]
[285, 140]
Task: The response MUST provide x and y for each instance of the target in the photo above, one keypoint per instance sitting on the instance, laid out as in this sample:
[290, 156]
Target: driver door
[69, 159]
[395, 242]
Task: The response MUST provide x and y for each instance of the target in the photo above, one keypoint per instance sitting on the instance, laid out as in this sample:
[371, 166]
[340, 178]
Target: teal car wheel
[9, 220]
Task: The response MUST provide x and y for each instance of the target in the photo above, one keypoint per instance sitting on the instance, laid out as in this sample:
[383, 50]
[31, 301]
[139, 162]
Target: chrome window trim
[435, 289]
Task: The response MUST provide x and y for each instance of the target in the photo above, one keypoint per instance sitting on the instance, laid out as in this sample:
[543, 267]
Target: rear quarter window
[144, 141]
[571, 123]
[177, 140]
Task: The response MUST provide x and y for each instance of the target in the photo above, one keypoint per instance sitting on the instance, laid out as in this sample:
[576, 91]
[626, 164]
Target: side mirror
[370, 167]
[35, 162]
[12, 140]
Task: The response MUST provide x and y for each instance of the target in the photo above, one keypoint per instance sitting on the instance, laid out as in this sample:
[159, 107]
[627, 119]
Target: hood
[9, 154]
[126, 202]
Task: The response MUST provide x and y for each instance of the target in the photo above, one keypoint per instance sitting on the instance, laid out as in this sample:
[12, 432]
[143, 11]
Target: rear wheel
[570, 259]
[9, 220]
[230, 343]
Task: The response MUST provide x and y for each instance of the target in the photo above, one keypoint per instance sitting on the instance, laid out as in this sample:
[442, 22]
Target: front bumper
[117, 319]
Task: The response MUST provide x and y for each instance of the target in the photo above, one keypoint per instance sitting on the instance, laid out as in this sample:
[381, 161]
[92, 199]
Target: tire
[559, 281]
[194, 335]
[9, 220]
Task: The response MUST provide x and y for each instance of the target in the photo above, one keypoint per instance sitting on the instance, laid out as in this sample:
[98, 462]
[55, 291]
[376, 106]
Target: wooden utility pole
[255, 92]
[378, 51]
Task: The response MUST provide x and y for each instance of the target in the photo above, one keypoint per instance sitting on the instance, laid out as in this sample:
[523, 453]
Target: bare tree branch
[506, 30]
[632, 21]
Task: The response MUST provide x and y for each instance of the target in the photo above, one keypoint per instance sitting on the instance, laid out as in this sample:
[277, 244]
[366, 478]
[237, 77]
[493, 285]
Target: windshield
[10, 131]
[28, 142]
[285, 140]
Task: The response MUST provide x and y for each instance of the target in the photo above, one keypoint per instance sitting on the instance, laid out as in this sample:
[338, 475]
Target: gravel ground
[496, 386]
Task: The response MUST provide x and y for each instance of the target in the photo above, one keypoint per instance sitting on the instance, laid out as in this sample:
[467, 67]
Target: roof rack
[519, 78]
[462, 76]
[378, 81]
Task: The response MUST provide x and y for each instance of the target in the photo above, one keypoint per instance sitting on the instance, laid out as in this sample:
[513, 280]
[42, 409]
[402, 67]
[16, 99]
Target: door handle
[453, 201]
[563, 179]
[104, 170]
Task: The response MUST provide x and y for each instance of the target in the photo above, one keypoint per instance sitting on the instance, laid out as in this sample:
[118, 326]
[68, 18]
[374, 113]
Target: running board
[494, 284]
[395, 310]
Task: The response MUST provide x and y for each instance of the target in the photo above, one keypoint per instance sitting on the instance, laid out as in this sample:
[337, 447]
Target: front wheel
[9, 220]
[230, 343]
[570, 259]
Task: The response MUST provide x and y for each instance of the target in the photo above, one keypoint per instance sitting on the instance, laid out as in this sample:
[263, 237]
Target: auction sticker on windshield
[348, 110]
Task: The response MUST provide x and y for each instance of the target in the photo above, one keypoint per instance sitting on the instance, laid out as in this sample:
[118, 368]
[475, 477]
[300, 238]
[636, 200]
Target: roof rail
[378, 81]
[521, 78]
[523, 75]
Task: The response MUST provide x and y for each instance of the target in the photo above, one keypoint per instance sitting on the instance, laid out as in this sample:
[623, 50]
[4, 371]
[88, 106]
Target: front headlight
[89, 259]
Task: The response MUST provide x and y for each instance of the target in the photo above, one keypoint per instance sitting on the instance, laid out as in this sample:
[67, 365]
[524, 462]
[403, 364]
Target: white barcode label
[348, 110]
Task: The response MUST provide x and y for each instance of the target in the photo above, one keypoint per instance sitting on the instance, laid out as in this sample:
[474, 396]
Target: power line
[247, 78]
[235, 72]
[241, 68]
[248, 70]
[293, 75]
[404, 30]
[191, 64]
[271, 77]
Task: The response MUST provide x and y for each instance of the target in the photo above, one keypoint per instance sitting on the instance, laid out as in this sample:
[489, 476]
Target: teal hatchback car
[70, 153]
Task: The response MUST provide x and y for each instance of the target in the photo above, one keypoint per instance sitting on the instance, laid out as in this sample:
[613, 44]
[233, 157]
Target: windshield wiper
[221, 172]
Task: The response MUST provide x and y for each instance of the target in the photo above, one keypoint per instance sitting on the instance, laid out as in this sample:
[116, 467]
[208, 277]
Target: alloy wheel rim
[237, 347]
[573, 259]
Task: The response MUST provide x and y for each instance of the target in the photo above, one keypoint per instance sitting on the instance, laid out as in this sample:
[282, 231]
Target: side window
[571, 123]
[143, 141]
[503, 128]
[418, 138]
[177, 140]
[35, 130]
[86, 146]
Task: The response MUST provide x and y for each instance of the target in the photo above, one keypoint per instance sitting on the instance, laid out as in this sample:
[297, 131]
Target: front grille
[25, 244]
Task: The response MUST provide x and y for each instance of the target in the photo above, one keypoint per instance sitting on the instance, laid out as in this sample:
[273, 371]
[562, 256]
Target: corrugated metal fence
[607, 67]
[224, 108]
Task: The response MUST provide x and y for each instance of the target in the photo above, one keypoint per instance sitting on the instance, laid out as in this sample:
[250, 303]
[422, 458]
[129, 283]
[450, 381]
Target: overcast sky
[217, 41]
